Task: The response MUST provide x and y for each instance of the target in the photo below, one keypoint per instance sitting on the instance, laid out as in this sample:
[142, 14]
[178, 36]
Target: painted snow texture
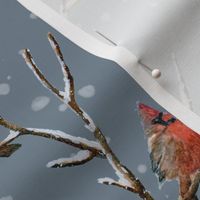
[121, 180]
[74, 139]
[62, 107]
[11, 136]
[4, 89]
[66, 93]
[107, 180]
[80, 156]
[87, 91]
[39, 103]
[7, 198]
[142, 168]
[8, 77]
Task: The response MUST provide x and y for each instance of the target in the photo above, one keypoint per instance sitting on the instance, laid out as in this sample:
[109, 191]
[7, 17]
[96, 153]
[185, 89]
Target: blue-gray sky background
[24, 175]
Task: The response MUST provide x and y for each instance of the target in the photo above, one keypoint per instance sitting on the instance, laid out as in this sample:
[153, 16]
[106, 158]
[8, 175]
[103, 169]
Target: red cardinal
[174, 150]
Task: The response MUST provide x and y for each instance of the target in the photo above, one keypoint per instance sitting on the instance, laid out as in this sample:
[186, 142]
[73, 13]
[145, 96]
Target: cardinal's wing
[163, 149]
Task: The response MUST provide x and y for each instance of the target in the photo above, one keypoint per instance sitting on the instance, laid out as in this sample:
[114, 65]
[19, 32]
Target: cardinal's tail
[8, 149]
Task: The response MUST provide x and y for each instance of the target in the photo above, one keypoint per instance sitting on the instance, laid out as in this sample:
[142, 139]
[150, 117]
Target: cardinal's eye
[155, 121]
[158, 119]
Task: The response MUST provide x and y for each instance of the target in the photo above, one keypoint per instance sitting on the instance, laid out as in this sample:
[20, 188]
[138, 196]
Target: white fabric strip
[118, 54]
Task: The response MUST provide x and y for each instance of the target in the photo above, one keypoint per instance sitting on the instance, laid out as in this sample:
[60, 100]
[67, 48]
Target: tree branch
[69, 96]
[80, 158]
[67, 77]
[110, 181]
[31, 64]
[126, 177]
[77, 142]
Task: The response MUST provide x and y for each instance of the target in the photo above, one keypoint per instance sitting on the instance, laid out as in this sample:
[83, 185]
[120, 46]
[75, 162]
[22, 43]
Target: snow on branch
[78, 142]
[68, 79]
[68, 96]
[31, 64]
[13, 135]
[78, 159]
[106, 180]
[63, 135]
[110, 181]
[69, 90]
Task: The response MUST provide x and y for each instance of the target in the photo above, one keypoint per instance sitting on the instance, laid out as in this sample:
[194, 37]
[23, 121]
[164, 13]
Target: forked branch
[89, 149]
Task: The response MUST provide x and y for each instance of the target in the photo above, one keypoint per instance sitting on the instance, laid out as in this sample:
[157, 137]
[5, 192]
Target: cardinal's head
[154, 121]
[174, 147]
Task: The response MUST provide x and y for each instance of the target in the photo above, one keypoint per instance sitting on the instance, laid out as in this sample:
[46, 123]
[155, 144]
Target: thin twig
[31, 64]
[110, 181]
[126, 177]
[80, 158]
[68, 78]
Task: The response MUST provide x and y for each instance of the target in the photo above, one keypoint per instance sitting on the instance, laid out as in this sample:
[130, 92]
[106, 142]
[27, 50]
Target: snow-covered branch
[39, 75]
[78, 142]
[80, 158]
[110, 181]
[64, 136]
[13, 135]
[67, 77]
[67, 96]
[125, 176]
